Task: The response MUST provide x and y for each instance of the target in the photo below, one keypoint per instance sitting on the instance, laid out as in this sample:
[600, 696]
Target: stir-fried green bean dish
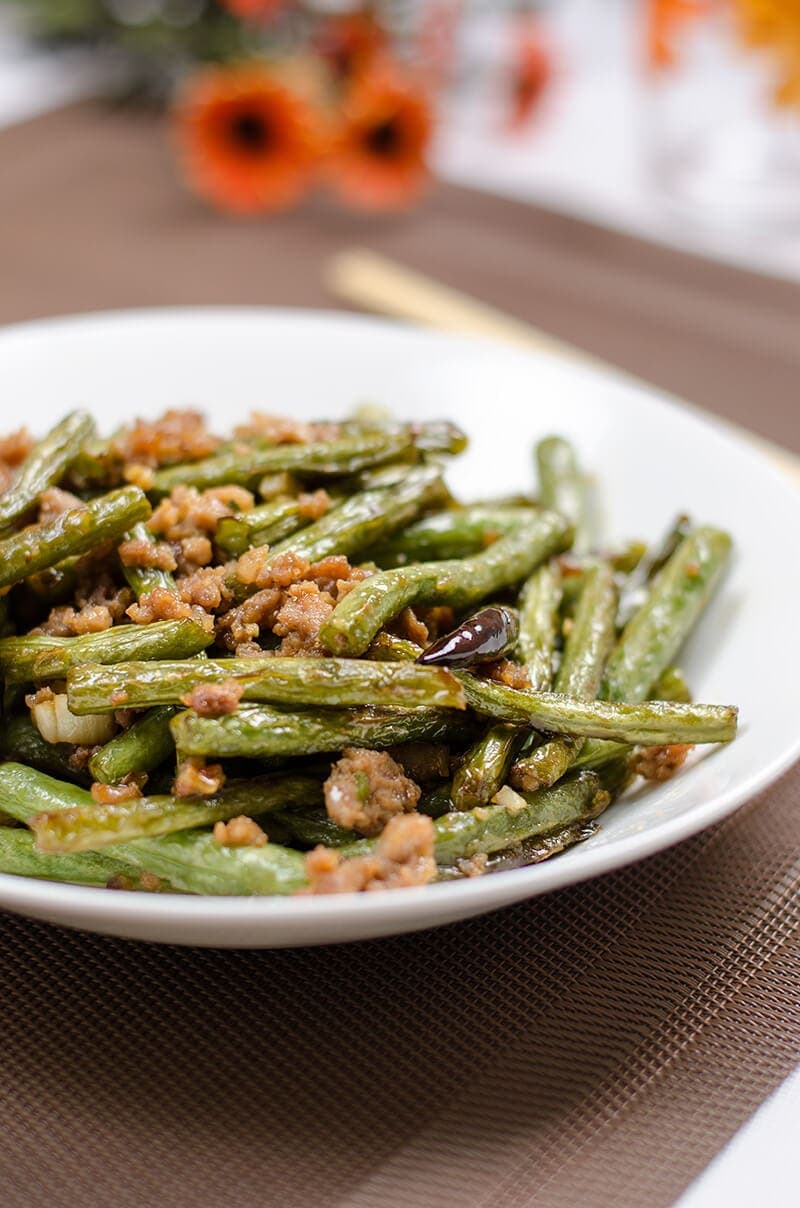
[291, 661]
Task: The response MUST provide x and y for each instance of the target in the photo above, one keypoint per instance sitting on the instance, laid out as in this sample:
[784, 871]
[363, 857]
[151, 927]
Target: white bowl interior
[651, 458]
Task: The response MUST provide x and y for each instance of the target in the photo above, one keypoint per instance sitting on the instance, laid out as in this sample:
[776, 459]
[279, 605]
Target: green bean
[671, 685]
[21, 741]
[272, 487]
[681, 529]
[627, 560]
[20, 856]
[657, 723]
[596, 754]
[656, 632]
[586, 651]
[534, 850]
[354, 524]
[144, 579]
[591, 638]
[271, 679]
[563, 487]
[42, 657]
[492, 828]
[545, 764]
[92, 827]
[439, 436]
[193, 863]
[258, 732]
[635, 591]
[190, 860]
[75, 531]
[321, 458]
[19, 653]
[24, 792]
[539, 602]
[368, 480]
[371, 604]
[451, 534]
[44, 466]
[263, 525]
[363, 519]
[437, 801]
[389, 648]
[98, 465]
[143, 747]
[486, 765]
[309, 827]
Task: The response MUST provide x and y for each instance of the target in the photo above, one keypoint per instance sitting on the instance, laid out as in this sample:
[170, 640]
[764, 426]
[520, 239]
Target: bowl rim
[83, 903]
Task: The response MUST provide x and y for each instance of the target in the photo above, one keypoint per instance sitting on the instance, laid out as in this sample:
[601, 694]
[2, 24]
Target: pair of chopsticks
[374, 283]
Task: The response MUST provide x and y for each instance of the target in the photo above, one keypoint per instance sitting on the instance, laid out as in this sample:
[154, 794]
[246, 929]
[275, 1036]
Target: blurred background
[623, 176]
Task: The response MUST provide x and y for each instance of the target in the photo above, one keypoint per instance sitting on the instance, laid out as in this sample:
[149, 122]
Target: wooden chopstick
[374, 283]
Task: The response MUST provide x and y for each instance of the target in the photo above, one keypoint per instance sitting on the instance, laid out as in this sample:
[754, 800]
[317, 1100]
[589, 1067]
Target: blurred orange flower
[252, 10]
[350, 43]
[664, 19]
[378, 158]
[247, 143]
[532, 71]
[775, 26]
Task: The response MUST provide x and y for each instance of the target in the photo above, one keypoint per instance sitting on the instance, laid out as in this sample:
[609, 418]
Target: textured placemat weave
[594, 1047]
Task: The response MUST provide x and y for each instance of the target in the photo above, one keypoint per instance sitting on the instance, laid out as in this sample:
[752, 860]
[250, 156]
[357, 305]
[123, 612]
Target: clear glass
[722, 147]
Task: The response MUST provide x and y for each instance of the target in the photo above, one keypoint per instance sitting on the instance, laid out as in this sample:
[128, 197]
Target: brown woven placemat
[593, 1047]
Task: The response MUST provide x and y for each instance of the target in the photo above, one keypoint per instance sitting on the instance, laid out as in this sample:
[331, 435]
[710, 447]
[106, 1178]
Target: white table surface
[556, 164]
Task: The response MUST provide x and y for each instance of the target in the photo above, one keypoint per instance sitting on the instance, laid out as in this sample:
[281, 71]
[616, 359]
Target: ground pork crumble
[278, 430]
[147, 881]
[423, 625]
[141, 553]
[176, 436]
[504, 671]
[100, 604]
[80, 757]
[187, 520]
[14, 448]
[196, 778]
[312, 505]
[366, 789]
[293, 600]
[127, 790]
[239, 832]
[214, 700]
[54, 502]
[161, 604]
[660, 763]
[403, 857]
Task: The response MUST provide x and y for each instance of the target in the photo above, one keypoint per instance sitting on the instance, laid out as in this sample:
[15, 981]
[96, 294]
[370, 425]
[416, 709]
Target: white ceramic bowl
[652, 458]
